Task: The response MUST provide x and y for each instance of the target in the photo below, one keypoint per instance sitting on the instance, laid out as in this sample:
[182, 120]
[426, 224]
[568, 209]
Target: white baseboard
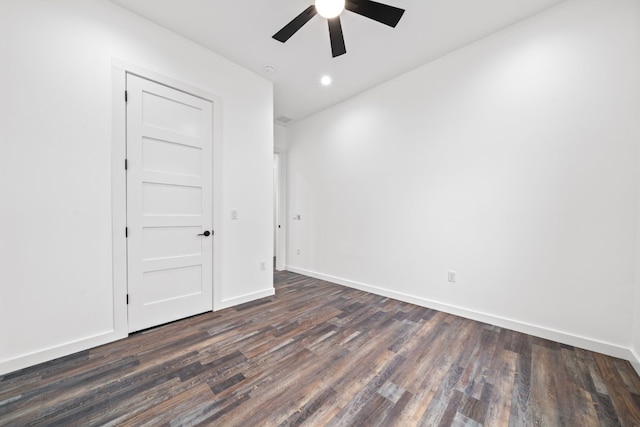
[538, 331]
[226, 303]
[635, 361]
[24, 361]
[66, 349]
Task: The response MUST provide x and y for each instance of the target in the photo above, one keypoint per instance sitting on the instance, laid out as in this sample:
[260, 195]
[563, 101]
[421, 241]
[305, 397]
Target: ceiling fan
[331, 9]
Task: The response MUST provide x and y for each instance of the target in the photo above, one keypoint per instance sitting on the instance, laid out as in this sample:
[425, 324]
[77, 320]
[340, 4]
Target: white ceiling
[241, 31]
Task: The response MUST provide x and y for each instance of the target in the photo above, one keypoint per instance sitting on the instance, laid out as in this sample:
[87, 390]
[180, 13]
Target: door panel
[169, 203]
[167, 199]
[171, 114]
[170, 242]
[166, 156]
[159, 286]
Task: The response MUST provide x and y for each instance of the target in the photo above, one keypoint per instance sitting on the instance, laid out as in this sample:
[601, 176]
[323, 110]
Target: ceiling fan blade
[383, 13]
[337, 38]
[296, 23]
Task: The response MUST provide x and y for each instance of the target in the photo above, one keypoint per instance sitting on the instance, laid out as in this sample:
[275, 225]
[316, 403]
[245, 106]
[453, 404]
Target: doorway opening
[276, 208]
[279, 210]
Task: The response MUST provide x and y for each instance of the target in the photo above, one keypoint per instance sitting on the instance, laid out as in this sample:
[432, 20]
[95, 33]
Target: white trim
[281, 256]
[276, 207]
[527, 328]
[125, 67]
[119, 201]
[245, 298]
[51, 353]
[635, 361]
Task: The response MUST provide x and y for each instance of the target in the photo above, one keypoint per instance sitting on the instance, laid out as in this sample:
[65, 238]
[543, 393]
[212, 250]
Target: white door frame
[276, 203]
[120, 68]
[281, 234]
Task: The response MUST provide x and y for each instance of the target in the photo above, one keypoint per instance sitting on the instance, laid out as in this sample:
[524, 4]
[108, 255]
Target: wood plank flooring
[320, 354]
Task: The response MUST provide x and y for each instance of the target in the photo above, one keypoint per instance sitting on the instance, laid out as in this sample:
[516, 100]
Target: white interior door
[169, 203]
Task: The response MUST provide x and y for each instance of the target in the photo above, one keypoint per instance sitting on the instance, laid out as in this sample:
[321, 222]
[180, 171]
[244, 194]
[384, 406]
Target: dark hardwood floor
[321, 354]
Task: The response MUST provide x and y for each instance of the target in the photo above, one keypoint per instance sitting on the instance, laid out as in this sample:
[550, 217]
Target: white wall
[55, 169]
[511, 161]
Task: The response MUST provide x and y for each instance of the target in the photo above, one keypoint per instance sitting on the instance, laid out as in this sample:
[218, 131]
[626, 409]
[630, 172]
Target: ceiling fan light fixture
[330, 8]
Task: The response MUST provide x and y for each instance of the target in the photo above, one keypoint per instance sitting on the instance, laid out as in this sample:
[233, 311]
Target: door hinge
[126, 232]
[127, 299]
[126, 96]
[126, 164]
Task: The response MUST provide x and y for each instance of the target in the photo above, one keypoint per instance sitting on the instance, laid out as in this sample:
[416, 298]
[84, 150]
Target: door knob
[205, 234]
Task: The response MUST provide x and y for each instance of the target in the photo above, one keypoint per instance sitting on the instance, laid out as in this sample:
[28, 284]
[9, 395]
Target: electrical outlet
[234, 214]
[263, 265]
[452, 276]
[298, 251]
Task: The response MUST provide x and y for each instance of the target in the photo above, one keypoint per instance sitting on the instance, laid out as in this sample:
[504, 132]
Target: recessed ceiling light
[325, 80]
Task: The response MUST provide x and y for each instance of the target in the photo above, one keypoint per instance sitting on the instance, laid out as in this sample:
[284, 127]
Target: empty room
[329, 212]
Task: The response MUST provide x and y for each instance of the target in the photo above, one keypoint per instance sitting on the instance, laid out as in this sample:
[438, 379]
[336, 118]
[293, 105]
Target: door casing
[120, 68]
